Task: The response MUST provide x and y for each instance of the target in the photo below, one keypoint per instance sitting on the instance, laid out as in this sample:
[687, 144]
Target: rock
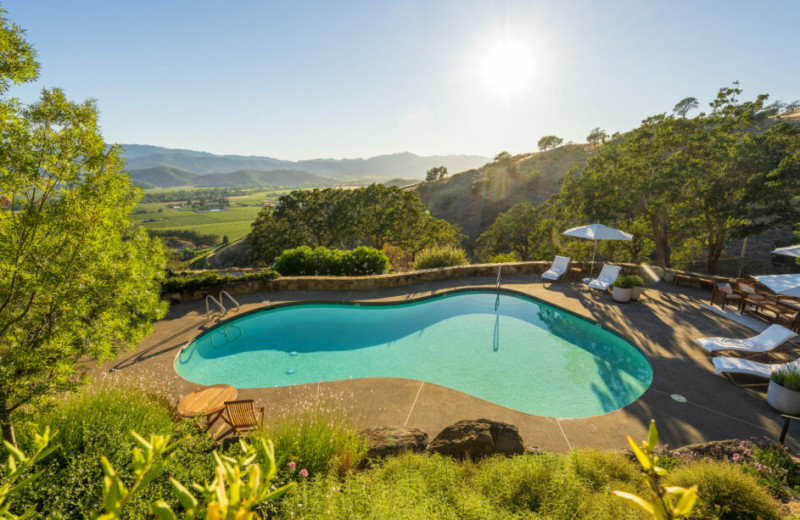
[383, 442]
[477, 439]
[717, 450]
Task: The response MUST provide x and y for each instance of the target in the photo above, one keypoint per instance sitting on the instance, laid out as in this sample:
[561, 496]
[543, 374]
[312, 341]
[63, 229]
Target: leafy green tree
[436, 173]
[739, 182]
[683, 106]
[596, 136]
[76, 283]
[374, 216]
[549, 142]
[510, 232]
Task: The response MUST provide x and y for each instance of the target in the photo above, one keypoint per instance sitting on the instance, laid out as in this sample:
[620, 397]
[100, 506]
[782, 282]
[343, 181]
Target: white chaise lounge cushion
[746, 366]
[771, 338]
[557, 270]
[608, 275]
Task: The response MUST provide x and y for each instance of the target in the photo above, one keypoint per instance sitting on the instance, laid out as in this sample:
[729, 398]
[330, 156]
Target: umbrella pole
[594, 253]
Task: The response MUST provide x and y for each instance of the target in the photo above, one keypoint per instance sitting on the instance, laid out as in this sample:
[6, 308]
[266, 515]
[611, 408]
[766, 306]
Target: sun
[505, 68]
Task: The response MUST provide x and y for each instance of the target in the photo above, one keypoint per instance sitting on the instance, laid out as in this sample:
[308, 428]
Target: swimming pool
[501, 347]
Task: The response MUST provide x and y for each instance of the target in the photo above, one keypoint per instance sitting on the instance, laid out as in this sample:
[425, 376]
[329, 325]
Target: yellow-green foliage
[436, 256]
[416, 486]
[725, 491]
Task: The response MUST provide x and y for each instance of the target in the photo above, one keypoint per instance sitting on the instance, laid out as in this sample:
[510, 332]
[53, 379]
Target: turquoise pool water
[504, 348]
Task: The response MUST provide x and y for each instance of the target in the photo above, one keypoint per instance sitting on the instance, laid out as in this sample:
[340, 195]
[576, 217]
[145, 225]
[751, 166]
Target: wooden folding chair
[241, 416]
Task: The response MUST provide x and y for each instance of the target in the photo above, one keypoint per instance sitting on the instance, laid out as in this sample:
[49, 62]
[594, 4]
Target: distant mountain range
[180, 162]
[169, 177]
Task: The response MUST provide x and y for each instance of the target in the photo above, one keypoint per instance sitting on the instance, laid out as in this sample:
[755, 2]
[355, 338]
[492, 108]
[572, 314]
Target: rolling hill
[405, 165]
[474, 198]
[170, 177]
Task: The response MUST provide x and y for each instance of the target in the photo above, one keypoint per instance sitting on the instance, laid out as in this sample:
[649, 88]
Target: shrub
[304, 261]
[628, 281]
[725, 491]
[787, 377]
[211, 281]
[434, 257]
[364, 261]
[100, 424]
[295, 262]
[501, 258]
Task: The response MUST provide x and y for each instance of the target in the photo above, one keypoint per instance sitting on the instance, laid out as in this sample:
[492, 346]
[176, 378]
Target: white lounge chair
[731, 365]
[608, 275]
[558, 269]
[771, 338]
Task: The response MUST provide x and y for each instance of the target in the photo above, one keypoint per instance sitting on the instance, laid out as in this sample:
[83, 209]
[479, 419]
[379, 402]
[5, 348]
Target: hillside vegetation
[473, 199]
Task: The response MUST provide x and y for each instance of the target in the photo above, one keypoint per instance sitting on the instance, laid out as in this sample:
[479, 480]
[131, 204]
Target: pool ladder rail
[222, 310]
[499, 269]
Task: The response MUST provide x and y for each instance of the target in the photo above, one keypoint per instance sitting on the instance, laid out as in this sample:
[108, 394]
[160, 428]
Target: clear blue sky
[300, 80]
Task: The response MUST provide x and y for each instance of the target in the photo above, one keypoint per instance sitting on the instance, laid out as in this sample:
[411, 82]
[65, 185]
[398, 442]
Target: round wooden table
[209, 401]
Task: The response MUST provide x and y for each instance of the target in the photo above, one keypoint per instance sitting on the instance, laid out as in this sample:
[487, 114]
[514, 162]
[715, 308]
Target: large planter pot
[782, 399]
[621, 295]
[636, 291]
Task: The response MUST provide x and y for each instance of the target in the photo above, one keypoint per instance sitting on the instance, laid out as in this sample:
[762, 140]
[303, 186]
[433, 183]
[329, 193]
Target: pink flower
[291, 465]
[735, 457]
[304, 473]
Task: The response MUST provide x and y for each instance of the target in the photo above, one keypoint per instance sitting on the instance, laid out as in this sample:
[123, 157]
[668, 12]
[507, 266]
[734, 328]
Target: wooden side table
[209, 401]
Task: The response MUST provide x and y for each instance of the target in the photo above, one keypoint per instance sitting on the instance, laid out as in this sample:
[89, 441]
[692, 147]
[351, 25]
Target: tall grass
[725, 491]
[319, 435]
[431, 486]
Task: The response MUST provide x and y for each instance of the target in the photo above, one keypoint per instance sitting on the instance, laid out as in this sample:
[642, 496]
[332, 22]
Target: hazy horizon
[314, 80]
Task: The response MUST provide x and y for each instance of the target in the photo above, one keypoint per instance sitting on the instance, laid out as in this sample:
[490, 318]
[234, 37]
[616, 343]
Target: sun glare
[505, 69]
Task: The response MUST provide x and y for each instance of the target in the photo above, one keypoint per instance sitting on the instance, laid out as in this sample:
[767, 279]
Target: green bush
[210, 281]
[100, 424]
[434, 257]
[304, 261]
[295, 262]
[787, 377]
[725, 491]
[628, 281]
[501, 258]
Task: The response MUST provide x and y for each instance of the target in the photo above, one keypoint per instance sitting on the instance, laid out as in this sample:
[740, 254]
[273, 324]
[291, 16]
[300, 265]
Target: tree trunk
[659, 224]
[5, 422]
[716, 239]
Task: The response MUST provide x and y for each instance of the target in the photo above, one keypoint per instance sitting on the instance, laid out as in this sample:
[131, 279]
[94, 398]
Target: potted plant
[783, 393]
[638, 286]
[623, 287]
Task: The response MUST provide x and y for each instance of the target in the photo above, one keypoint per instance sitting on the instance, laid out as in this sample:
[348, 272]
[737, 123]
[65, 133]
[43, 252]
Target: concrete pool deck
[663, 324]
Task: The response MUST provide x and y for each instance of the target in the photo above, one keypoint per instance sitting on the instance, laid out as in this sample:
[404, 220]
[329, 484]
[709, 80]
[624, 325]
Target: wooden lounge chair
[557, 270]
[241, 415]
[722, 294]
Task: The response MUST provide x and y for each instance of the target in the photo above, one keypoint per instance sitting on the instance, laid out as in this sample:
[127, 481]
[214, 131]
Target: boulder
[382, 442]
[478, 438]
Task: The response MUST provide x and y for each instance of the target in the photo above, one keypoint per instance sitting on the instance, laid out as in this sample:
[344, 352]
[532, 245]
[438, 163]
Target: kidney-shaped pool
[502, 347]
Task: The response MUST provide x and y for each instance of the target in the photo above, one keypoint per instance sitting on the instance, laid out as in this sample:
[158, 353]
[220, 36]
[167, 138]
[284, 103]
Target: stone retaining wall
[383, 281]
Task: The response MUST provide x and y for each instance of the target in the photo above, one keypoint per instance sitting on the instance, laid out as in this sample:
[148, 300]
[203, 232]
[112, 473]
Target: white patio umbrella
[788, 284]
[597, 232]
[788, 251]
